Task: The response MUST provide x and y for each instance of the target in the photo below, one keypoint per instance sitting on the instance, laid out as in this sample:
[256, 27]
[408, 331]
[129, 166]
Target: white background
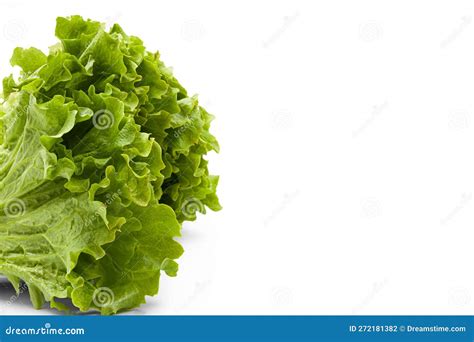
[347, 163]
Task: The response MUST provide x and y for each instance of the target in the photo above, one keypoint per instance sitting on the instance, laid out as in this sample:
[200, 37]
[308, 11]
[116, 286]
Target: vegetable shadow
[9, 298]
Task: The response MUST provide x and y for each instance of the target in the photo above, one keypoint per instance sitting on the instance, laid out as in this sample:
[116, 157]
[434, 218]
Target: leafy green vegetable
[101, 160]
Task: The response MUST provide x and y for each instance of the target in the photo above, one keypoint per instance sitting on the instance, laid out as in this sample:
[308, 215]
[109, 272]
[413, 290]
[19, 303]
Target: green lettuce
[102, 157]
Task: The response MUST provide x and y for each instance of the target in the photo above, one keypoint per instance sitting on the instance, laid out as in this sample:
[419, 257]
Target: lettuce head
[101, 160]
